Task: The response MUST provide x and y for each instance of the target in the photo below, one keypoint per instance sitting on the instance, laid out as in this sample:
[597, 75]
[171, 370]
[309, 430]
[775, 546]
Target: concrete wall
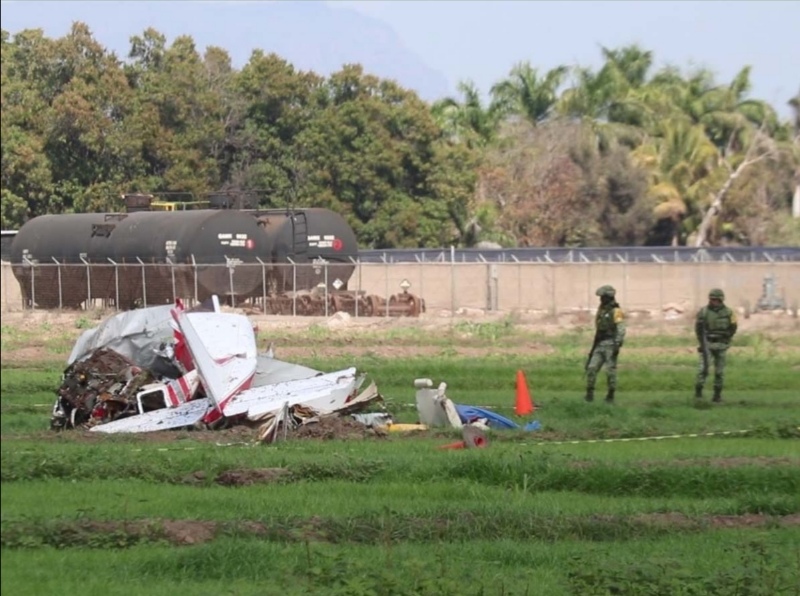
[561, 287]
[569, 286]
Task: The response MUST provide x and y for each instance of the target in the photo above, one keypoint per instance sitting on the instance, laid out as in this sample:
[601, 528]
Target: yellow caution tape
[630, 439]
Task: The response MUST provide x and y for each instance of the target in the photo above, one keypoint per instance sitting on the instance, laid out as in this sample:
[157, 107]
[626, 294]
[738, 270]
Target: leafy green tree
[87, 141]
[377, 152]
[276, 104]
[25, 171]
[178, 112]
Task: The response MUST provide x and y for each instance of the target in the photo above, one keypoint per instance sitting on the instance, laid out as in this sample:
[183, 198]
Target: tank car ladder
[300, 236]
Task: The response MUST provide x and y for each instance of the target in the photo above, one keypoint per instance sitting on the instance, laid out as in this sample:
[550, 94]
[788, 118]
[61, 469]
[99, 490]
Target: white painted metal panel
[322, 389]
[165, 419]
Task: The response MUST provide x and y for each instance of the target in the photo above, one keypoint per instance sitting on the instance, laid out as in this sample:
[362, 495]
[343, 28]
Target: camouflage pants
[603, 355]
[717, 353]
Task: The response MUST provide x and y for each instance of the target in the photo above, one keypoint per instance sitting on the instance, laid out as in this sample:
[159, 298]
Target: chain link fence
[376, 289]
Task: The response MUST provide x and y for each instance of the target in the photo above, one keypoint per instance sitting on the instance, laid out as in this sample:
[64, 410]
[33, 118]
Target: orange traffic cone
[456, 445]
[524, 404]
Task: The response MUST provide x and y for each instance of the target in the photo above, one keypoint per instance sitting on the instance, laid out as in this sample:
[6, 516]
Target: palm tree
[727, 116]
[684, 167]
[617, 99]
[526, 94]
[632, 62]
[466, 120]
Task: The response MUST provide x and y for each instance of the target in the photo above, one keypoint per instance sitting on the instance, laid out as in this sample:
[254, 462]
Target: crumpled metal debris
[436, 409]
[98, 389]
[142, 372]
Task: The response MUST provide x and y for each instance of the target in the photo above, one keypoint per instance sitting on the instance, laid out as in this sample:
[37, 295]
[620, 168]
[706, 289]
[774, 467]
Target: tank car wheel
[374, 306]
[336, 304]
[413, 307]
[305, 306]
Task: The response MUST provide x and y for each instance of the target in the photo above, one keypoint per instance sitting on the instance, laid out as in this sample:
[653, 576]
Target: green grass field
[655, 495]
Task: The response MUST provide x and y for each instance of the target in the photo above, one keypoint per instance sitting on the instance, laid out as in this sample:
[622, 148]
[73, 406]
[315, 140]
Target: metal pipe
[116, 283]
[88, 282]
[144, 283]
[60, 289]
[230, 277]
[294, 286]
[263, 286]
[194, 269]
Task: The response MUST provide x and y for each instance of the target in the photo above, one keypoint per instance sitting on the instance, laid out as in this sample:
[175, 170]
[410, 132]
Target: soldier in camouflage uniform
[608, 339]
[714, 326]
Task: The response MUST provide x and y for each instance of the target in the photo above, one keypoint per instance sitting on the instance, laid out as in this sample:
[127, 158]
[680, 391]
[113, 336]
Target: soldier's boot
[698, 391]
[589, 395]
[610, 396]
[717, 395]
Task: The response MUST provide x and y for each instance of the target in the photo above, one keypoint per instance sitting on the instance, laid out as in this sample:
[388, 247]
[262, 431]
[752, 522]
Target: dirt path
[30, 337]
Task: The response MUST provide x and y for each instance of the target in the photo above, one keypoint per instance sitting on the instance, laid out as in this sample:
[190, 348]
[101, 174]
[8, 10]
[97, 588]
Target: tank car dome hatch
[137, 202]
[232, 200]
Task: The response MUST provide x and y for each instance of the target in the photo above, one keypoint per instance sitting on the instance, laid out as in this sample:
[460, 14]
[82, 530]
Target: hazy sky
[482, 40]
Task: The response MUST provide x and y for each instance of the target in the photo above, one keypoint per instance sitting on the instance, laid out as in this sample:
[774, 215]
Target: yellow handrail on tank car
[178, 205]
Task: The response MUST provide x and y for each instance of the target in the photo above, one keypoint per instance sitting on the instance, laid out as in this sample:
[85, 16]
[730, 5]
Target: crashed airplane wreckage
[166, 367]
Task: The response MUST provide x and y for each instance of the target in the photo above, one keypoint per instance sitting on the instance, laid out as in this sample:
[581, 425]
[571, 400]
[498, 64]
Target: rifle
[591, 353]
[703, 349]
[700, 328]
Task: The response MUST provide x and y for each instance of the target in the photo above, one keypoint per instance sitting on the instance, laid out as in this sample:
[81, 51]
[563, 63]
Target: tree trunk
[714, 209]
[796, 202]
[716, 205]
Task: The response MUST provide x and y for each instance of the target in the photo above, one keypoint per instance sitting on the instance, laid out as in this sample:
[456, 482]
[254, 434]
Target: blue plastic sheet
[471, 413]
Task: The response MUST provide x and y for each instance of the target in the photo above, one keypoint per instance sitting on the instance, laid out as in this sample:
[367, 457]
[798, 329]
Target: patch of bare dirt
[233, 435]
[188, 531]
[247, 477]
[334, 427]
[180, 532]
[27, 354]
[326, 428]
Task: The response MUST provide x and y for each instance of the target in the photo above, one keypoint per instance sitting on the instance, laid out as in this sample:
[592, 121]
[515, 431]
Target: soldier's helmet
[717, 293]
[606, 291]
